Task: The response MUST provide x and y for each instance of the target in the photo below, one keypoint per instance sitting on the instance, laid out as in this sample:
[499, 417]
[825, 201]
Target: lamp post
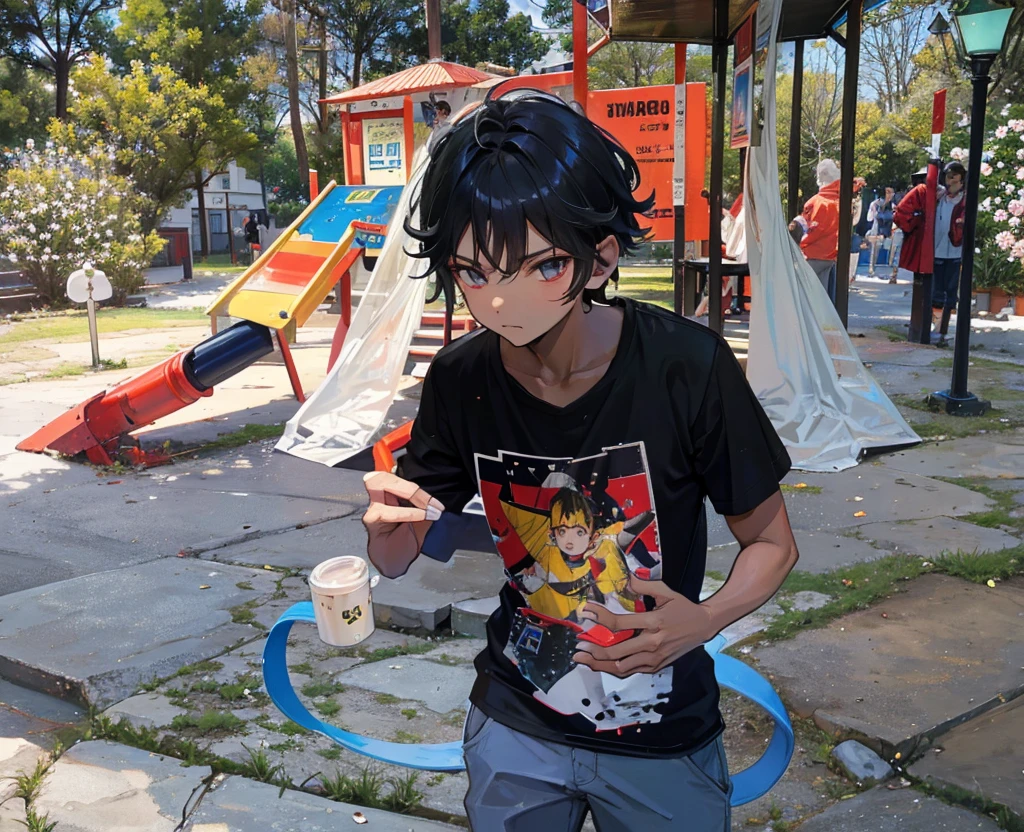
[980, 29]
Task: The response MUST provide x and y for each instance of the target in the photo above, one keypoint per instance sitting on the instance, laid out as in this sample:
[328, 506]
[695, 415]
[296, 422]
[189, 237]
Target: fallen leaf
[898, 755]
[204, 586]
[359, 817]
[267, 566]
[885, 615]
[991, 583]
[800, 485]
[860, 514]
[847, 582]
[114, 482]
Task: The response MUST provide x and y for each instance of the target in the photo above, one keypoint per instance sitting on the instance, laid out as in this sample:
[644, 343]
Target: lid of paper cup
[339, 575]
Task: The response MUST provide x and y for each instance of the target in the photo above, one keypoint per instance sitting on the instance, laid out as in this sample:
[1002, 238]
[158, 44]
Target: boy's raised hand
[673, 628]
[397, 519]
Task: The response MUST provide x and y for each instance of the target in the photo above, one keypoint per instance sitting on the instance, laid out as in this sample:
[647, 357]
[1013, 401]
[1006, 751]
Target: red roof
[421, 78]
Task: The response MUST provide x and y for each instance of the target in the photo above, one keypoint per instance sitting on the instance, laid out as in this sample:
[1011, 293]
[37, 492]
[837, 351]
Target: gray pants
[826, 272]
[521, 784]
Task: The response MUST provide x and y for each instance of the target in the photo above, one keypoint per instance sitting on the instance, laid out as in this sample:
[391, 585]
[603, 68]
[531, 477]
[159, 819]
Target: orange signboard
[643, 121]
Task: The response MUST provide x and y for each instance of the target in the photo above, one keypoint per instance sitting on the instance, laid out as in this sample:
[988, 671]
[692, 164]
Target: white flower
[30, 144]
[1002, 131]
[986, 168]
[1000, 216]
[12, 257]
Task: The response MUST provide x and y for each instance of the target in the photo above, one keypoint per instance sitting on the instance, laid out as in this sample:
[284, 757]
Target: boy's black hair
[955, 168]
[527, 158]
[443, 107]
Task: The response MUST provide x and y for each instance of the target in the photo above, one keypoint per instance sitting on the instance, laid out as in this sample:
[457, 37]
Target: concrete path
[908, 669]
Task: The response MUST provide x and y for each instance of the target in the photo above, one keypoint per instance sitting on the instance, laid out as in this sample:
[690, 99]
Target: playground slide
[286, 284]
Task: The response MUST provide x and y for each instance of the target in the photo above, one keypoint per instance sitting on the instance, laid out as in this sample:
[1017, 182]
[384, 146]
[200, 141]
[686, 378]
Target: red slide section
[96, 425]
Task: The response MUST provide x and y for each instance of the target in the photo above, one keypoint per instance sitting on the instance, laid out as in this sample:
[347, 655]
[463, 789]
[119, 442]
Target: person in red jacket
[949, 233]
[820, 225]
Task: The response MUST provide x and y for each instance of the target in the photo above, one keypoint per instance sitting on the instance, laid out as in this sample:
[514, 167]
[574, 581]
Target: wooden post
[407, 122]
[851, 79]
[719, 54]
[433, 29]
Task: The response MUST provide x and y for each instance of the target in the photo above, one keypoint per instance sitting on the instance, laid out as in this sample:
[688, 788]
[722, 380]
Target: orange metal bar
[369, 227]
[407, 121]
[346, 151]
[314, 185]
[384, 450]
[579, 53]
[289, 363]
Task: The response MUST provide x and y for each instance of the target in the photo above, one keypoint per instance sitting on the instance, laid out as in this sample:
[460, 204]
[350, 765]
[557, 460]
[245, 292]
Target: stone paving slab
[882, 810]
[946, 650]
[145, 710]
[97, 637]
[106, 787]
[239, 805]
[930, 538]
[984, 756]
[12, 814]
[441, 688]
[820, 551]
[974, 456]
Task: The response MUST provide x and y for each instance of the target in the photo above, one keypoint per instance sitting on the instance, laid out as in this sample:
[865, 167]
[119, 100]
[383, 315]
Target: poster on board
[384, 151]
[742, 105]
[764, 16]
[679, 154]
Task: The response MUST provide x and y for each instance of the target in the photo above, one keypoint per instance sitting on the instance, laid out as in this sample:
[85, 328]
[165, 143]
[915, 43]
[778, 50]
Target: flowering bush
[999, 258]
[59, 210]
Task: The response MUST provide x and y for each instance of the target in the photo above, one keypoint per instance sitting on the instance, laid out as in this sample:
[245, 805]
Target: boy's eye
[553, 268]
[471, 277]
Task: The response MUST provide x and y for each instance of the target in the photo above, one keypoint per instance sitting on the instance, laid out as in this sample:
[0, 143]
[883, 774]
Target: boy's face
[572, 541]
[524, 305]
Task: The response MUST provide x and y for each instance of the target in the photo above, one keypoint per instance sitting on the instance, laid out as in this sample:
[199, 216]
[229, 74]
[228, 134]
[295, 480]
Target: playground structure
[282, 288]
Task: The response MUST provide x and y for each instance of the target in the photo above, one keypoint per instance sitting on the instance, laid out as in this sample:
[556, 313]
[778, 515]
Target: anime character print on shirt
[571, 531]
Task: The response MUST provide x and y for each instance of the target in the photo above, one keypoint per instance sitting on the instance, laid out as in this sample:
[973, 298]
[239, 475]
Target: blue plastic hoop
[748, 785]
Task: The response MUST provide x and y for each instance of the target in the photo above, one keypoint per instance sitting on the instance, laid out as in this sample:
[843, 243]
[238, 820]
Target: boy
[526, 207]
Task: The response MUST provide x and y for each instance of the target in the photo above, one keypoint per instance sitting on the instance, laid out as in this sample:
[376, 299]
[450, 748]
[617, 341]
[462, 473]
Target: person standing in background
[949, 237]
[880, 215]
[820, 225]
[861, 202]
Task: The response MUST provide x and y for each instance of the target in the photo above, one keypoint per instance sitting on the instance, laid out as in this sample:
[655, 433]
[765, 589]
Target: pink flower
[986, 168]
[1013, 222]
[1002, 131]
[1000, 216]
[1020, 173]
[1018, 250]
[1016, 207]
[1016, 124]
[1005, 240]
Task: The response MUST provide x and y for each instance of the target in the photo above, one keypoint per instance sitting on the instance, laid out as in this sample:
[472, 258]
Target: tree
[484, 31]
[205, 43]
[893, 35]
[365, 27]
[25, 104]
[54, 36]
[632, 64]
[161, 129]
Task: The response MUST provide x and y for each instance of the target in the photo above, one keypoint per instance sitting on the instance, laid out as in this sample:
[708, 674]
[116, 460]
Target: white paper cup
[341, 600]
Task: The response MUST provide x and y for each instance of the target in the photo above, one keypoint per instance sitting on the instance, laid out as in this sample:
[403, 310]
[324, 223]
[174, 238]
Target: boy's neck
[570, 358]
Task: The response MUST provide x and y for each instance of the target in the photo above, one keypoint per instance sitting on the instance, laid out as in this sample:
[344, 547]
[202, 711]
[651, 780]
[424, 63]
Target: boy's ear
[606, 262]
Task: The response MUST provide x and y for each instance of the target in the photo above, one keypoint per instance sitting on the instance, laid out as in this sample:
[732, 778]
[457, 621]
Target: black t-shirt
[672, 422]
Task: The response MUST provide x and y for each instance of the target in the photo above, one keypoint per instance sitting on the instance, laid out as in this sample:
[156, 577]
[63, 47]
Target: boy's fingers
[382, 484]
[378, 513]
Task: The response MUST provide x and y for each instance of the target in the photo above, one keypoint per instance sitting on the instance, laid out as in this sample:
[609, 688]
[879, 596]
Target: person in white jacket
[880, 215]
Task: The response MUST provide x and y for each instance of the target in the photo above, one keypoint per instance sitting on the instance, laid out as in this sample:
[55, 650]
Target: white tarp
[346, 412]
[801, 364]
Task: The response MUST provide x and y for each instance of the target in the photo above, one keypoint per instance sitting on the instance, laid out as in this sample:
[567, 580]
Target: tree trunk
[61, 73]
[322, 72]
[294, 109]
[357, 67]
[204, 231]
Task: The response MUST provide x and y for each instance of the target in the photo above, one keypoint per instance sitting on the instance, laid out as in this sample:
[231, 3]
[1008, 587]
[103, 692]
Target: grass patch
[234, 691]
[806, 489]
[957, 427]
[652, 285]
[386, 698]
[410, 713]
[997, 516]
[451, 661]
[244, 585]
[975, 361]
[211, 722]
[328, 707]
[243, 436]
[38, 823]
[370, 789]
[957, 796]
[860, 585]
[28, 784]
[245, 614]
[382, 653]
[258, 767]
[332, 753]
[407, 737]
[315, 689]
[305, 668]
[69, 327]
[204, 686]
[203, 667]
[895, 333]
